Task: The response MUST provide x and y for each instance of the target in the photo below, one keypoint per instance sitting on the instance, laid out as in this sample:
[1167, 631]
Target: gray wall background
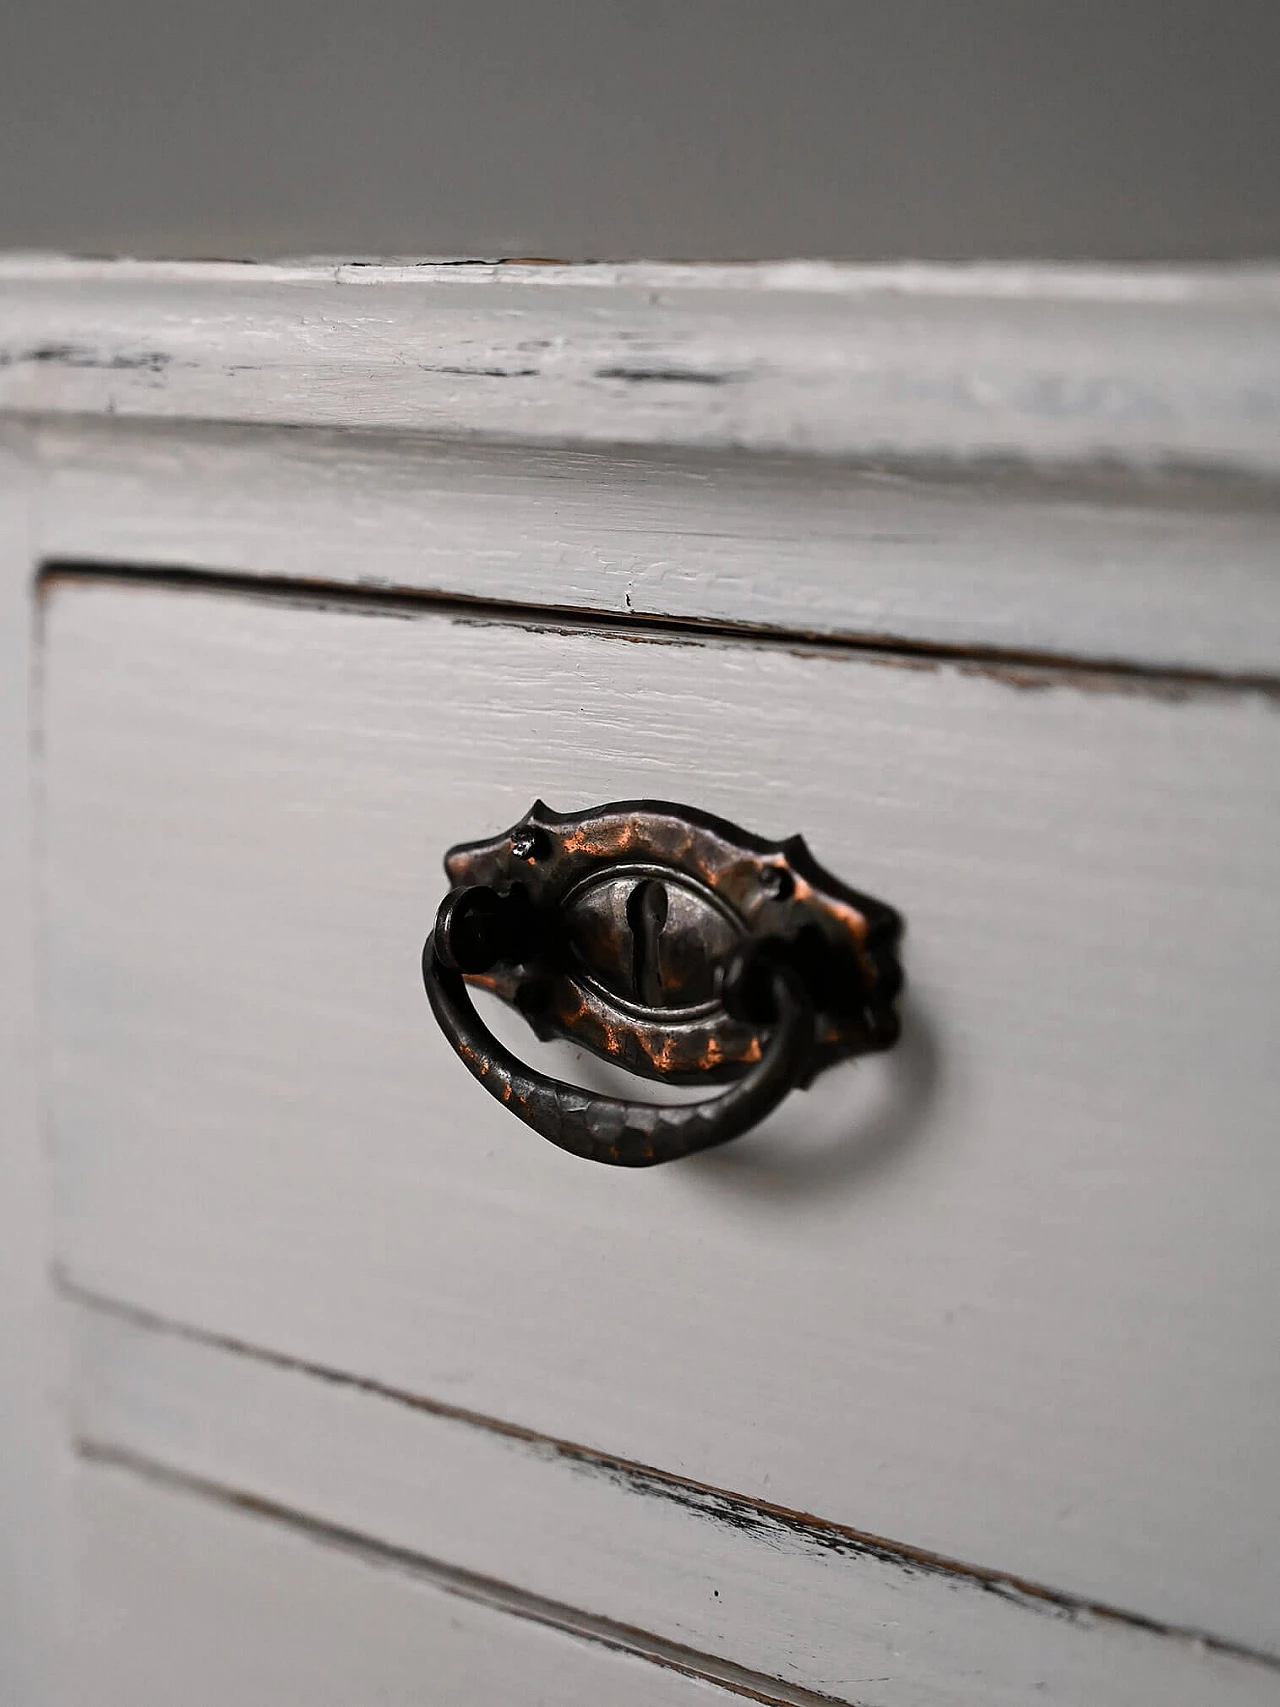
[615, 129]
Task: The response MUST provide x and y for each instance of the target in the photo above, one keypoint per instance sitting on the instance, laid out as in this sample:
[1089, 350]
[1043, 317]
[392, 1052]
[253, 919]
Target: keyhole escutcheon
[647, 908]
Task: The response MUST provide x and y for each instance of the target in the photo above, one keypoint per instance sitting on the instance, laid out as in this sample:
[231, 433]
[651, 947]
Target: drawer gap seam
[1013, 667]
[699, 1498]
[468, 1585]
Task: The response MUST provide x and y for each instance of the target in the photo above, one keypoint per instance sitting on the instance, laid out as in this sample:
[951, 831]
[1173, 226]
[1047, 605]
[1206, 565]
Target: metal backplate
[634, 908]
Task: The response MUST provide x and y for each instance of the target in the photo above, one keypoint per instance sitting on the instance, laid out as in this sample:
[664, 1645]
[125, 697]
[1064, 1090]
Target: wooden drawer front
[1006, 1294]
[186, 1601]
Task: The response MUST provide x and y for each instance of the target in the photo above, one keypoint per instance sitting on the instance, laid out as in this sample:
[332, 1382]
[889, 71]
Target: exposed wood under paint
[1035, 464]
[1142, 367]
[1022, 670]
[931, 1299]
[188, 1593]
[744, 1582]
[1154, 571]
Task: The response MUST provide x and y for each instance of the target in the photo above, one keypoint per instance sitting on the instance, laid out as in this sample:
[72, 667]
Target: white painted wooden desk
[323, 1380]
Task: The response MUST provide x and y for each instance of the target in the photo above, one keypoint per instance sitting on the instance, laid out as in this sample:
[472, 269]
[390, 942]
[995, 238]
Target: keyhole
[646, 915]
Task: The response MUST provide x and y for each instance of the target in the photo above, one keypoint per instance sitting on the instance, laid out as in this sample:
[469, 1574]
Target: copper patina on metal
[672, 943]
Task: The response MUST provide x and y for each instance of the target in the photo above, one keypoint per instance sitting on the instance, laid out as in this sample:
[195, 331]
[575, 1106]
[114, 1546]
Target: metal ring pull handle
[672, 944]
[611, 1129]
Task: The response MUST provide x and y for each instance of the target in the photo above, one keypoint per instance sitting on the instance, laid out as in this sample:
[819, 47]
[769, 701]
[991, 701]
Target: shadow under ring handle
[611, 1129]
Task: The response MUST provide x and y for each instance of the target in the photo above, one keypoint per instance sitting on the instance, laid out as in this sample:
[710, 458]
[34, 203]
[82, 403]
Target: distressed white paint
[1140, 367]
[1163, 571]
[845, 1623]
[1007, 1294]
[1137, 411]
[185, 1601]
[30, 1516]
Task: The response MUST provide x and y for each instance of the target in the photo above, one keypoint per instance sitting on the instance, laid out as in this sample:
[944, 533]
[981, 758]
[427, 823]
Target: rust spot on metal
[635, 906]
[672, 943]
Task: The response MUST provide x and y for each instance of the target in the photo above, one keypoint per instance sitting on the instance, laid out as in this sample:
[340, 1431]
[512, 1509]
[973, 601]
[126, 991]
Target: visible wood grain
[1164, 571]
[1018, 1313]
[1006, 1294]
[691, 1569]
[1036, 364]
[185, 1600]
